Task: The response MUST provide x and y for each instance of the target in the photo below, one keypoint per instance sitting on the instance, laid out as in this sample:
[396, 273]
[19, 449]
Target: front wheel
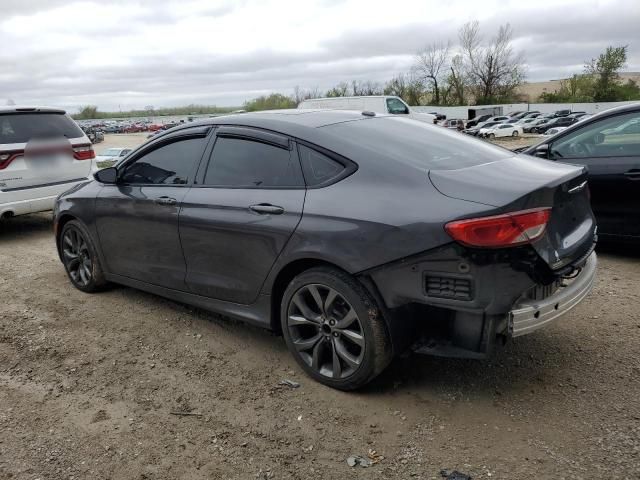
[515, 133]
[334, 328]
[491, 136]
[80, 259]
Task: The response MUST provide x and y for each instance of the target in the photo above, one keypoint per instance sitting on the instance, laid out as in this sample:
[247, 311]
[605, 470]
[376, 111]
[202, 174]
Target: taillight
[498, 231]
[9, 156]
[83, 152]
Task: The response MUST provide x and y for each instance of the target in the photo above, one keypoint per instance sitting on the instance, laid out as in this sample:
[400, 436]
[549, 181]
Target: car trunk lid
[522, 183]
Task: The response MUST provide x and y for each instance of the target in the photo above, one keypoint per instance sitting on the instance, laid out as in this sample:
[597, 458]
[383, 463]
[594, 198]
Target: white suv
[43, 153]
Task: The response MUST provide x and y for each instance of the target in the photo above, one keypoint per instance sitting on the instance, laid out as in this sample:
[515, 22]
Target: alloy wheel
[326, 331]
[77, 257]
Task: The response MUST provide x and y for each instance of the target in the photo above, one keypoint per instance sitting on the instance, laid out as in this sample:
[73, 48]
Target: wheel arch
[61, 221]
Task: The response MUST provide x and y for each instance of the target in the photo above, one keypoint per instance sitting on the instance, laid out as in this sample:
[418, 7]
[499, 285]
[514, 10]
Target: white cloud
[133, 53]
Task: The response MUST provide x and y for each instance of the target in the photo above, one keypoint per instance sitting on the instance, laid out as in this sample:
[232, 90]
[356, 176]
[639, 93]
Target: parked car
[374, 104]
[475, 121]
[453, 124]
[501, 130]
[561, 113]
[611, 151]
[112, 154]
[529, 127]
[43, 152]
[554, 122]
[300, 223]
[525, 122]
[475, 131]
[553, 131]
[439, 116]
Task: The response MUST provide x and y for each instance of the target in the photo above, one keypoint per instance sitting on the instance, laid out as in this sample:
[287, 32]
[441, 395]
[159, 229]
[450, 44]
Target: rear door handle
[267, 209]
[166, 201]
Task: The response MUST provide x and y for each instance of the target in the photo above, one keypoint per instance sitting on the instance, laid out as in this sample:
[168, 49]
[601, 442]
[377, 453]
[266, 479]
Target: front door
[610, 148]
[235, 223]
[137, 219]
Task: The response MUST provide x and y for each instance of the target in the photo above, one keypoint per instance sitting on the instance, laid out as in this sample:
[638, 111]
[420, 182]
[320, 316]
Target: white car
[373, 103]
[112, 154]
[43, 153]
[501, 130]
[553, 131]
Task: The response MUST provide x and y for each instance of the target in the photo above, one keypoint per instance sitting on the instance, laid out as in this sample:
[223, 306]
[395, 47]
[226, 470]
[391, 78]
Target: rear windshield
[22, 127]
[425, 146]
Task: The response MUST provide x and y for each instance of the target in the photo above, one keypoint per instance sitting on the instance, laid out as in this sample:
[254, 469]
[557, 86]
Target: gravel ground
[127, 385]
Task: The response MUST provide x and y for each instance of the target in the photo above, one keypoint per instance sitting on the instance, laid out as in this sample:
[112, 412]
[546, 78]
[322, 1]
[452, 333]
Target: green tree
[88, 112]
[274, 101]
[604, 70]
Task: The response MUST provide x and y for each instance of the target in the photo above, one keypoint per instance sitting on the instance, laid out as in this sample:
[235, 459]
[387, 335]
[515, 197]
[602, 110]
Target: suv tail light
[83, 152]
[499, 231]
[9, 156]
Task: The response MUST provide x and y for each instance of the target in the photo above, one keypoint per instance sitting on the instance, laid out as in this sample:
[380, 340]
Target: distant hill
[530, 92]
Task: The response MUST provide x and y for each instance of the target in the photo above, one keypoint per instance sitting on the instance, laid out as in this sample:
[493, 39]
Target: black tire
[351, 297]
[515, 133]
[80, 259]
[491, 136]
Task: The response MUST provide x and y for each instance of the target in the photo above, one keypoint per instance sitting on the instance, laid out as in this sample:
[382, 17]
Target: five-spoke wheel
[334, 328]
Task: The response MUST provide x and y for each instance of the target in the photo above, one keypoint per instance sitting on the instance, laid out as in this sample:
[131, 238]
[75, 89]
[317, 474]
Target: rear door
[137, 218]
[238, 218]
[41, 148]
[610, 148]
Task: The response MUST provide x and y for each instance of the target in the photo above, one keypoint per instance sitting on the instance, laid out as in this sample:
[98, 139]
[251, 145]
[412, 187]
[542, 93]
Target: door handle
[166, 201]
[633, 174]
[267, 209]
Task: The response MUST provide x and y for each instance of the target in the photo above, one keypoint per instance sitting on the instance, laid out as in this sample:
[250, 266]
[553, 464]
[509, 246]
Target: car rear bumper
[531, 315]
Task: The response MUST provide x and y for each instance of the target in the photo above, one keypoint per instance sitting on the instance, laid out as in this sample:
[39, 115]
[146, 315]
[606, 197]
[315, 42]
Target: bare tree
[340, 90]
[365, 88]
[457, 80]
[406, 86]
[431, 64]
[494, 69]
[300, 94]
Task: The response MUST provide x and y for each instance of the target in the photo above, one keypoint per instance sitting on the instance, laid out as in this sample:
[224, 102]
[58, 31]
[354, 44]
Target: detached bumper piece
[530, 315]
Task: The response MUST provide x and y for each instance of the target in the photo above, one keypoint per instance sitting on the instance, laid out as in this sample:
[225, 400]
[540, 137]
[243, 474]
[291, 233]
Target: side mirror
[108, 175]
[542, 151]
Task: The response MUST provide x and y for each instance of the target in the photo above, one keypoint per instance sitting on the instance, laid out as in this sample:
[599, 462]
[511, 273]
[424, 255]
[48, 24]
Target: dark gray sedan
[356, 235]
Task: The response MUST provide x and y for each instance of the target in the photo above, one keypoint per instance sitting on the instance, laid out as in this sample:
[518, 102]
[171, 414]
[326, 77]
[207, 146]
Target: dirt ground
[127, 385]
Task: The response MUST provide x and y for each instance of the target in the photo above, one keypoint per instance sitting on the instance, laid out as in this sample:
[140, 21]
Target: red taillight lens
[83, 152]
[501, 230]
[7, 157]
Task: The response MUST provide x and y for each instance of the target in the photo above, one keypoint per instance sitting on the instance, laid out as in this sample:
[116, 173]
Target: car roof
[29, 109]
[289, 122]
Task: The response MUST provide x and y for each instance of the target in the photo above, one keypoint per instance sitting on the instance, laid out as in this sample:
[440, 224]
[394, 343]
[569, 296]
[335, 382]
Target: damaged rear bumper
[530, 315]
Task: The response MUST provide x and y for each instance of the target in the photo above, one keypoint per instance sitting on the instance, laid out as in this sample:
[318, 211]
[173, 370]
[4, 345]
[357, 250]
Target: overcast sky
[129, 54]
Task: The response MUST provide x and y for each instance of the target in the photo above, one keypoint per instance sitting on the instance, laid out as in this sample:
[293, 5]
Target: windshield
[415, 143]
[22, 127]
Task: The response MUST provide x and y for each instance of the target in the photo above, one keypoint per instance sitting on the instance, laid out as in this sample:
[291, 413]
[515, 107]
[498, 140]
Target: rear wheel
[515, 133]
[80, 259]
[491, 136]
[334, 329]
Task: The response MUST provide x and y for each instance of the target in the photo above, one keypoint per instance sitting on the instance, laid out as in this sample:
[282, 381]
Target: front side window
[613, 136]
[395, 106]
[244, 163]
[171, 164]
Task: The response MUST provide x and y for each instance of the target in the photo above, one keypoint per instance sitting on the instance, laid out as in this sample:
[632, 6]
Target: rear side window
[22, 127]
[170, 164]
[244, 163]
[318, 168]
